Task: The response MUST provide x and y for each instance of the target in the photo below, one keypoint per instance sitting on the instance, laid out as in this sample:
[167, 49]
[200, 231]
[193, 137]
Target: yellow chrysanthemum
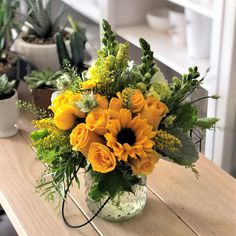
[129, 136]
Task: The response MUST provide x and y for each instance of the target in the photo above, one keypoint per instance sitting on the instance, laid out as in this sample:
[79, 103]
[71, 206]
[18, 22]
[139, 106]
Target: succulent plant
[6, 86]
[77, 45]
[7, 22]
[41, 79]
[39, 19]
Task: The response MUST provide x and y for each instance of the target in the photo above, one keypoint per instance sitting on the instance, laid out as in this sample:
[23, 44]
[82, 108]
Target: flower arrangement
[116, 120]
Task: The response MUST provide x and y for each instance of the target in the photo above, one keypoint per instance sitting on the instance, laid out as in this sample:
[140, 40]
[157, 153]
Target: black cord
[64, 202]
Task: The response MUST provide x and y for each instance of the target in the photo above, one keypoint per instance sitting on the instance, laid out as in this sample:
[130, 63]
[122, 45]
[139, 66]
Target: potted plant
[41, 84]
[8, 59]
[77, 53]
[37, 45]
[8, 110]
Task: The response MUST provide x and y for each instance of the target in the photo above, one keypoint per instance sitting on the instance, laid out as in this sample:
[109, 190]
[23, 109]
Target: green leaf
[186, 117]
[206, 123]
[110, 183]
[187, 153]
[39, 134]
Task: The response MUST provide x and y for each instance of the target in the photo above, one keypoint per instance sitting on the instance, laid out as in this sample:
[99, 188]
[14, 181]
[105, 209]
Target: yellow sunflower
[129, 137]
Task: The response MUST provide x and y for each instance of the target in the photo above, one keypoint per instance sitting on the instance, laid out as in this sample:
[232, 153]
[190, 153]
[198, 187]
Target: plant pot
[9, 116]
[40, 55]
[41, 97]
[15, 67]
[126, 205]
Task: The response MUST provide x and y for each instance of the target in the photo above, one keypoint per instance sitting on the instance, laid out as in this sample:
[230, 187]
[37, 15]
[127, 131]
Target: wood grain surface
[178, 203]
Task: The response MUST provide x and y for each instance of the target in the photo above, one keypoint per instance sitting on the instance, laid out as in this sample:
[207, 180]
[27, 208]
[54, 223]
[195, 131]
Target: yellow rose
[137, 101]
[72, 99]
[67, 98]
[64, 118]
[102, 101]
[114, 108]
[97, 120]
[101, 158]
[145, 165]
[81, 138]
[154, 110]
[60, 100]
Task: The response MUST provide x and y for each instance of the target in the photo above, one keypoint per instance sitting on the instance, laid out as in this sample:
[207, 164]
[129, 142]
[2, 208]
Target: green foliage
[39, 17]
[182, 88]
[186, 117]
[53, 148]
[41, 79]
[159, 87]
[187, 154]
[68, 78]
[6, 86]
[7, 23]
[205, 123]
[60, 171]
[26, 106]
[77, 46]
[38, 134]
[185, 113]
[111, 184]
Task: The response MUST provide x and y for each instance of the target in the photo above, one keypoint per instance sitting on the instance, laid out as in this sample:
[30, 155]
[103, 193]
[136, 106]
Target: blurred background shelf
[88, 8]
[204, 7]
[170, 54]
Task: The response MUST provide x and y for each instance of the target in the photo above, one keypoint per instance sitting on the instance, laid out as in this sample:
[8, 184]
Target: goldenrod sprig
[26, 106]
[126, 97]
[46, 123]
[167, 141]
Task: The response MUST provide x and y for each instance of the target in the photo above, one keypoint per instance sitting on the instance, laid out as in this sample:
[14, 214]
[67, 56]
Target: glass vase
[124, 206]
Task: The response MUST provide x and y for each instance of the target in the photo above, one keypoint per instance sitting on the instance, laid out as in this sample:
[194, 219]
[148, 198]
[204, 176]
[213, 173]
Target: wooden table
[177, 204]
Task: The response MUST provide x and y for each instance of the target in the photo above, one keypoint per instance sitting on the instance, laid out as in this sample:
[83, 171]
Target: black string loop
[64, 202]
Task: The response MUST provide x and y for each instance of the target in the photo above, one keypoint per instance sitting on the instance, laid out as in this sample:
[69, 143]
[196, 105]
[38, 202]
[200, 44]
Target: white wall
[225, 139]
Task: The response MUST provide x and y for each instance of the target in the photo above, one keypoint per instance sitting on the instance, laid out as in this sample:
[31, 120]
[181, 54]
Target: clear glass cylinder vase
[125, 206]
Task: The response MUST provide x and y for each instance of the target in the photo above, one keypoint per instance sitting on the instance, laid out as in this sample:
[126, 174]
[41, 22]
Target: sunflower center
[126, 135]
